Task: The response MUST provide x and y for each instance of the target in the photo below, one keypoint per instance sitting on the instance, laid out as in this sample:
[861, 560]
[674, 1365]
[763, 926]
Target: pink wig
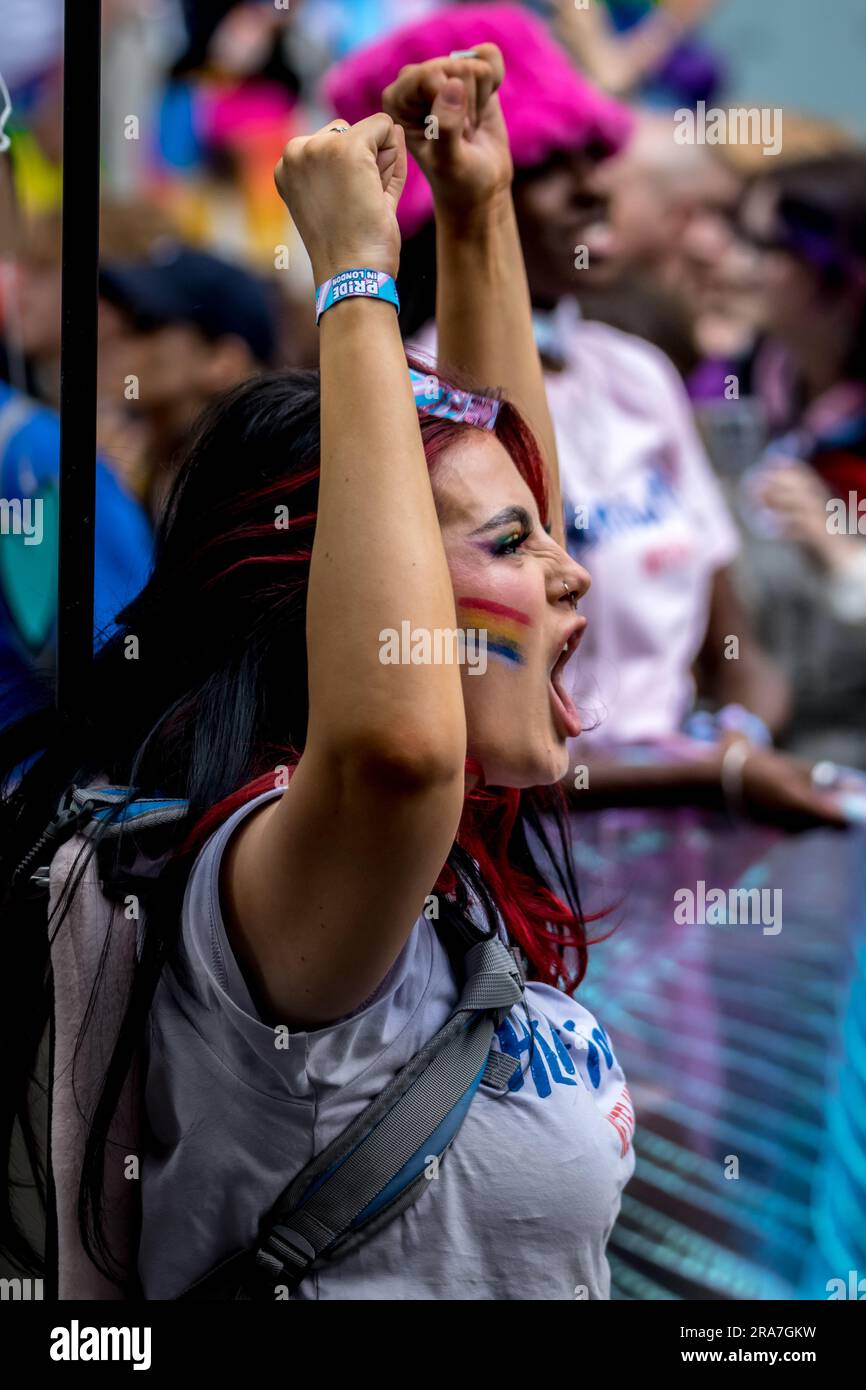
[548, 105]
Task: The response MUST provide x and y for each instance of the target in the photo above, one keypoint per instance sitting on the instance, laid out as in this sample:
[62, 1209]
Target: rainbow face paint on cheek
[505, 627]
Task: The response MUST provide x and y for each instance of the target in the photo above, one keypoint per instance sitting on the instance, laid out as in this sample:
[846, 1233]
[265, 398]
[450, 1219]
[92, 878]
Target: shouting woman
[336, 854]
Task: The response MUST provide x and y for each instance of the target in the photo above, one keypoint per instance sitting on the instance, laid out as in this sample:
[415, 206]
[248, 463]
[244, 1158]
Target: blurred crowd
[700, 308]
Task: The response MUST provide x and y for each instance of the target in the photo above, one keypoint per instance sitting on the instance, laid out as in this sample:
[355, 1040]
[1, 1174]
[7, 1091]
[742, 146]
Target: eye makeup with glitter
[509, 543]
[504, 533]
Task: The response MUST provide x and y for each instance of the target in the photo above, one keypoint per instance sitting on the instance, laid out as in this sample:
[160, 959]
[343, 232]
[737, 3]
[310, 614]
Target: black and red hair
[213, 703]
[247, 550]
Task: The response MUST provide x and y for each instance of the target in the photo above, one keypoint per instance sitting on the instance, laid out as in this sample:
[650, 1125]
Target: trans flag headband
[435, 397]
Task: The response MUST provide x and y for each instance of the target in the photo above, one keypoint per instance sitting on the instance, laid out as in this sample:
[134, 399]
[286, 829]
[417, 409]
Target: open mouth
[565, 715]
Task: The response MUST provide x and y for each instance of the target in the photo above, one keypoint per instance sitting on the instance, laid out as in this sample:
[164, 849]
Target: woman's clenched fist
[342, 190]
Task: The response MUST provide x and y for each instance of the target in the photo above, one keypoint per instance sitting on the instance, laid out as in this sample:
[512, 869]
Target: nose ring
[571, 594]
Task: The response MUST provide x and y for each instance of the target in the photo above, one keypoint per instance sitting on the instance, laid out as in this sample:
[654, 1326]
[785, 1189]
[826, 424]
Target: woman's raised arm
[325, 884]
[483, 306]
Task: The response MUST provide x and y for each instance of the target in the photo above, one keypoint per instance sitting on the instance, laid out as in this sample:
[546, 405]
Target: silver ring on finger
[464, 53]
[338, 129]
[824, 774]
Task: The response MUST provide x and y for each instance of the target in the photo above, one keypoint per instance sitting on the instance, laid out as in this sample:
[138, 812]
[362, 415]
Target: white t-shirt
[646, 517]
[524, 1201]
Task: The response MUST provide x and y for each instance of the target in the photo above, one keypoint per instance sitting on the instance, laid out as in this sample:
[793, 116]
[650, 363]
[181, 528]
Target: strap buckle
[284, 1257]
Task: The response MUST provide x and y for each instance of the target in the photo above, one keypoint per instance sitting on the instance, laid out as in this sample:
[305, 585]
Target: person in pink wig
[641, 504]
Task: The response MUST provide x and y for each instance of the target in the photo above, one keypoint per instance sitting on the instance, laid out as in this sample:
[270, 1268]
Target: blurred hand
[779, 789]
[342, 191]
[687, 13]
[449, 109]
[799, 499]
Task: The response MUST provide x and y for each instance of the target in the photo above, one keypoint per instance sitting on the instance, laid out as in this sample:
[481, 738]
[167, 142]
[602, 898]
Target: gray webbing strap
[499, 1070]
[376, 1146]
[479, 959]
[141, 814]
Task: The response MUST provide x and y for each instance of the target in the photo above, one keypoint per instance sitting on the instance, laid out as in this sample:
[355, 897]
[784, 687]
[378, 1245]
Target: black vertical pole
[78, 348]
[80, 268]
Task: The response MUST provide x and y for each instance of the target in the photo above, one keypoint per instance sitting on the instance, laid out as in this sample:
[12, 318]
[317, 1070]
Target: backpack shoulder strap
[377, 1167]
[88, 811]
[110, 810]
